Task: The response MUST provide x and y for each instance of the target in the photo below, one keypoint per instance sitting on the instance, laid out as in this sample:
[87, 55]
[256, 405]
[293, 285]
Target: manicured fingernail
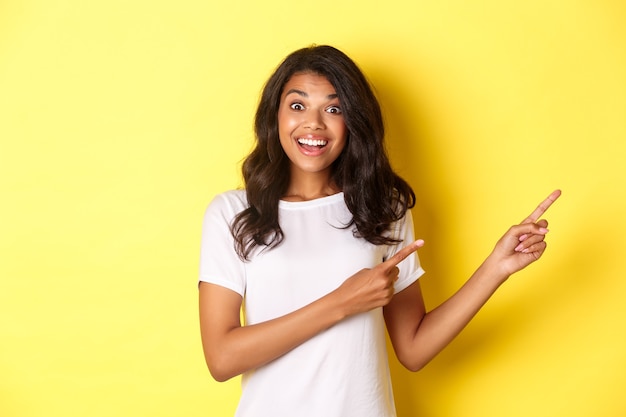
[543, 230]
[523, 238]
[518, 248]
[525, 250]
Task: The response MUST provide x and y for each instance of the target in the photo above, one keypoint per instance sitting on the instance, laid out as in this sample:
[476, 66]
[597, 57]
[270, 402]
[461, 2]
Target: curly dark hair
[375, 195]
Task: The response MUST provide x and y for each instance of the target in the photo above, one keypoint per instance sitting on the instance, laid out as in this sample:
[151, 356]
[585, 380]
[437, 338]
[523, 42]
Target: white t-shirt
[341, 372]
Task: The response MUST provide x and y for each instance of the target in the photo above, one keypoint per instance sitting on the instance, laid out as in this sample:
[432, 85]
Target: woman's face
[310, 124]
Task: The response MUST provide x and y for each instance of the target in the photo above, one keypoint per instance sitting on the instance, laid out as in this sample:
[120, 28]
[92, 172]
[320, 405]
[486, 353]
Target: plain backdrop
[120, 120]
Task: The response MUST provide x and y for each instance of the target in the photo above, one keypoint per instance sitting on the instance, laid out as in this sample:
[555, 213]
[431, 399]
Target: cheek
[284, 129]
[340, 130]
[286, 121]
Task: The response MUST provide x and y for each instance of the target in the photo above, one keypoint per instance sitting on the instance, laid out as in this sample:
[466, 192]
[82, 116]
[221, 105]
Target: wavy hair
[375, 195]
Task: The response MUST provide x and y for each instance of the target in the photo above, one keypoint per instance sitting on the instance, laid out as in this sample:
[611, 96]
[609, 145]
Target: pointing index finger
[402, 254]
[541, 208]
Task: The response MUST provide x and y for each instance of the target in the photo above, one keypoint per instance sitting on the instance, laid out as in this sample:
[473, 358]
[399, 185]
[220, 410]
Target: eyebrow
[304, 94]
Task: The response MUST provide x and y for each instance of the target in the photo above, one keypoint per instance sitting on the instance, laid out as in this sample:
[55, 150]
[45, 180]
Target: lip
[311, 150]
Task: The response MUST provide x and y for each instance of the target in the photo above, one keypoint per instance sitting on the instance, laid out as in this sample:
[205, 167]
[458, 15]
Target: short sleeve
[219, 263]
[410, 268]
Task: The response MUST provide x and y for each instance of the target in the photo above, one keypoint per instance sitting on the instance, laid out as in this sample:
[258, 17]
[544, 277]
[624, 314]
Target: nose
[314, 120]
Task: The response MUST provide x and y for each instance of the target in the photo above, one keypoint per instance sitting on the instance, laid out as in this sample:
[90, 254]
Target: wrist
[493, 270]
[336, 306]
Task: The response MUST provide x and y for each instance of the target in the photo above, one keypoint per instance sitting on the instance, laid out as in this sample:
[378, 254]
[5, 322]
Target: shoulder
[228, 204]
[230, 199]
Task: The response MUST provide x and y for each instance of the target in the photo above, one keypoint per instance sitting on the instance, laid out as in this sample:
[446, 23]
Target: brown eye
[334, 110]
[296, 106]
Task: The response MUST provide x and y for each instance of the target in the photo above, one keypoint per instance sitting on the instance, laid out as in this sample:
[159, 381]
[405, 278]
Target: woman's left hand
[524, 243]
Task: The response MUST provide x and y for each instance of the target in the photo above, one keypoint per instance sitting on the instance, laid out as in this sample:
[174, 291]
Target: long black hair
[375, 195]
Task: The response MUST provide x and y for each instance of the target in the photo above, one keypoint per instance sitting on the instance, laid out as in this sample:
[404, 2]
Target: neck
[310, 188]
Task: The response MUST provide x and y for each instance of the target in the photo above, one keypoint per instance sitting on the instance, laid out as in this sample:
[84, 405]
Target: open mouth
[312, 144]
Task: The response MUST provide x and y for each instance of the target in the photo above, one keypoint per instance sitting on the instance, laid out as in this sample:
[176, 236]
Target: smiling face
[311, 127]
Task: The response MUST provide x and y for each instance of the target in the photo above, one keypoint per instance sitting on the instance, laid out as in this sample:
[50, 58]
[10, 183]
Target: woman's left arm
[418, 336]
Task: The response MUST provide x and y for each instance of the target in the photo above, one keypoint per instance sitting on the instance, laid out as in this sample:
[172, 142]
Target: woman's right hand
[371, 288]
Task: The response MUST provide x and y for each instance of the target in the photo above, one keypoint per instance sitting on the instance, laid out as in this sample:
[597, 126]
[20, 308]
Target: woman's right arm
[231, 349]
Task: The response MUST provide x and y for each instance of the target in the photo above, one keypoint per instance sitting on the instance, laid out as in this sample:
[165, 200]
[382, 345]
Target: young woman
[319, 252]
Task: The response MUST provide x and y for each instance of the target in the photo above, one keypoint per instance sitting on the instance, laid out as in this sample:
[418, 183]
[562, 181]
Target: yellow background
[120, 120]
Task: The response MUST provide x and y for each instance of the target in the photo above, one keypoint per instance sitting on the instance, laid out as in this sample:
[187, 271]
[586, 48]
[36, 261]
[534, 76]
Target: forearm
[242, 348]
[441, 325]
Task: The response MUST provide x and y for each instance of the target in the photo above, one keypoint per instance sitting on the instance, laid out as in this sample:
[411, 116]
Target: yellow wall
[120, 120]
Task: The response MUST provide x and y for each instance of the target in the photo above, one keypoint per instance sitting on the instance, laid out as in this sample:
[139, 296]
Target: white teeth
[312, 142]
